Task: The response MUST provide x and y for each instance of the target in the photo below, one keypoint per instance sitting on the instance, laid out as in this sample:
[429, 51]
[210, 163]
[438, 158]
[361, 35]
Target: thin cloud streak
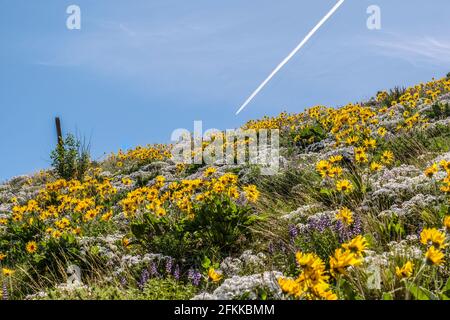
[426, 48]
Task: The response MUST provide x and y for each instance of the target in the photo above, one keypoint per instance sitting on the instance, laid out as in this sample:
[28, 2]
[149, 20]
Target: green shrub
[393, 95]
[71, 158]
[217, 228]
[305, 136]
[439, 111]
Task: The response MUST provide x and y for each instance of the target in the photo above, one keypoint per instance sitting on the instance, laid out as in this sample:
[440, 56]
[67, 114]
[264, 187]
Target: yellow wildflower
[375, 166]
[387, 157]
[251, 193]
[107, 216]
[214, 275]
[209, 171]
[345, 215]
[334, 159]
[342, 260]
[447, 222]
[31, 247]
[431, 171]
[370, 143]
[7, 272]
[357, 245]
[434, 256]
[434, 237]
[405, 271]
[344, 185]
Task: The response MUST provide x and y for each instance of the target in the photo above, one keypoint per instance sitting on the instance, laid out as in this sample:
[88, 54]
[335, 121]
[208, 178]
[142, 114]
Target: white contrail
[289, 57]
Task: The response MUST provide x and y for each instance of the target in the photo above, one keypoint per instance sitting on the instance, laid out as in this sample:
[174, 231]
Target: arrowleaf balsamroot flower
[31, 247]
[361, 157]
[126, 242]
[382, 131]
[447, 222]
[445, 165]
[7, 272]
[375, 166]
[344, 185]
[357, 245]
[334, 159]
[434, 256]
[405, 271]
[209, 172]
[107, 216]
[127, 181]
[310, 263]
[341, 260]
[214, 275]
[433, 237]
[251, 193]
[431, 171]
[387, 157]
[312, 282]
[370, 143]
[345, 215]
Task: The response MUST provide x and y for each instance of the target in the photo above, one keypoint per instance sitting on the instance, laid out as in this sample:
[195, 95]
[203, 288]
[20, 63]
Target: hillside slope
[358, 210]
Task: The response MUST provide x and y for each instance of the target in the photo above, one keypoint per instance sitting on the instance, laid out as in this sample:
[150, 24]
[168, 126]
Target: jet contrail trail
[289, 57]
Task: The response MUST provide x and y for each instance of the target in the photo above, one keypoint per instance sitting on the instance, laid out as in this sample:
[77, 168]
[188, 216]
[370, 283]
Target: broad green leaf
[418, 292]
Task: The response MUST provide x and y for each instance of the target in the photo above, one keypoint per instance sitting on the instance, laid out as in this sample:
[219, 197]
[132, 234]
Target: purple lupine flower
[320, 223]
[5, 291]
[123, 281]
[169, 264]
[145, 275]
[342, 231]
[357, 226]
[293, 232]
[194, 276]
[271, 248]
[419, 230]
[345, 232]
[176, 272]
[154, 270]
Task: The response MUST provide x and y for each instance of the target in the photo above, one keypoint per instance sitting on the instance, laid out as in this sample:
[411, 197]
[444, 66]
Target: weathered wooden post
[58, 130]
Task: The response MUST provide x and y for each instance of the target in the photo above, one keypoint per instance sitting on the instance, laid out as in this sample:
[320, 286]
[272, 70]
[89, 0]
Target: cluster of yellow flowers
[63, 206]
[406, 271]
[184, 194]
[141, 155]
[422, 93]
[354, 124]
[330, 169]
[432, 238]
[313, 280]
[283, 120]
[435, 241]
[350, 254]
[434, 168]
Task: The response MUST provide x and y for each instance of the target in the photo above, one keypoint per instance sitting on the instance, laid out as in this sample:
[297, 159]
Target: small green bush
[393, 95]
[218, 227]
[439, 111]
[70, 158]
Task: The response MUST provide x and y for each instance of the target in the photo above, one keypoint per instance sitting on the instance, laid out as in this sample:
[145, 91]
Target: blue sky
[139, 69]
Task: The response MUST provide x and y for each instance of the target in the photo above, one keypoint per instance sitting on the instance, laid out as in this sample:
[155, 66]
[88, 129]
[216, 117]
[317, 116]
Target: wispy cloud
[414, 49]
